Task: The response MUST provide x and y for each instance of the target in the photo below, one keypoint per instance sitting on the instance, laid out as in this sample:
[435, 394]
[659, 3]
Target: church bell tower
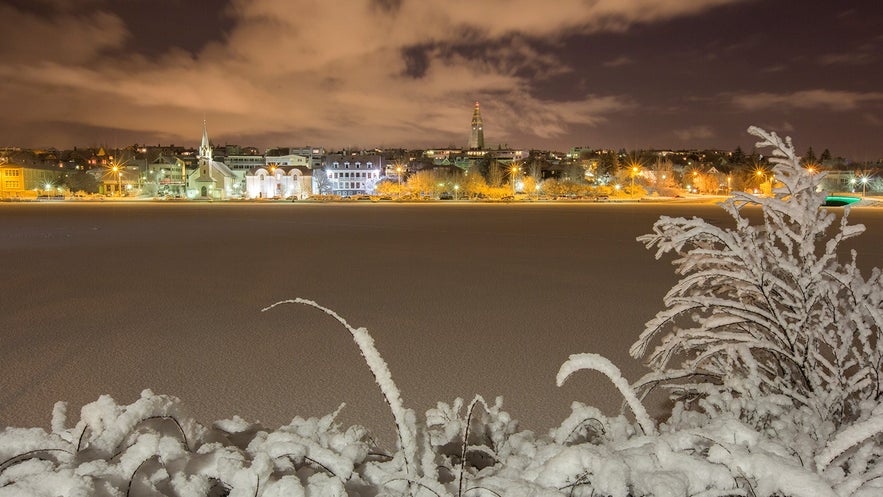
[476, 138]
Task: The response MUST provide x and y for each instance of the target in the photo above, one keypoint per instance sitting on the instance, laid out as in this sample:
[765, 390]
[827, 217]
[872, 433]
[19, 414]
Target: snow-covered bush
[769, 309]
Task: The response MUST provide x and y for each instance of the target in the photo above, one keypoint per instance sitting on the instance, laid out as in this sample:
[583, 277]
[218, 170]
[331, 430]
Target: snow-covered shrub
[768, 309]
[152, 447]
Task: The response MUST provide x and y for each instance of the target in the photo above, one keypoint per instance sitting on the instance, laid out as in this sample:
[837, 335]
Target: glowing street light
[761, 174]
[119, 173]
[514, 170]
[864, 181]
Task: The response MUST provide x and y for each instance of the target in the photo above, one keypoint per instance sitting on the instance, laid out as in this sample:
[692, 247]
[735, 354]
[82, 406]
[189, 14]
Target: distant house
[168, 174]
[123, 181]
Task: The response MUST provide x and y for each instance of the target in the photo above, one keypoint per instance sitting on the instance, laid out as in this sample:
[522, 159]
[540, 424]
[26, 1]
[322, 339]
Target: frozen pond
[460, 298]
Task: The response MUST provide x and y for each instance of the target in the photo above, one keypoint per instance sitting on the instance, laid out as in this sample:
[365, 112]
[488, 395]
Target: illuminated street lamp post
[119, 173]
[864, 185]
[514, 170]
[456, 192]
[634, 173]
[760, 174]
[729, 184]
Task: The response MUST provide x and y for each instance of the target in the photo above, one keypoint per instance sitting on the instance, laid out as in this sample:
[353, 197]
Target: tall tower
[205, 149]
[476, 139]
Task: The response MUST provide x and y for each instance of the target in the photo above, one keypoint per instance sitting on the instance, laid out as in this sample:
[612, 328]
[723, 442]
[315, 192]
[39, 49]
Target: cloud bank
[337, 72]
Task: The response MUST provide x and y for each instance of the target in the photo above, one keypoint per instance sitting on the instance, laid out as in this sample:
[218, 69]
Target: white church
[212, 180]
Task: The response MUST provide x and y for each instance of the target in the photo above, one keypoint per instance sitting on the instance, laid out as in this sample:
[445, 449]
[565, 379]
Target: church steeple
[476, 138]
[205, 149]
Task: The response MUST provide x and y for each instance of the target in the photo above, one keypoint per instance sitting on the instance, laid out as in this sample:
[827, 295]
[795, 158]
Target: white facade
[350, 175]
[279, 182]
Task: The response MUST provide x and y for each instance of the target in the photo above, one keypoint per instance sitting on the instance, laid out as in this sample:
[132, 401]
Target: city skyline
[636, 74]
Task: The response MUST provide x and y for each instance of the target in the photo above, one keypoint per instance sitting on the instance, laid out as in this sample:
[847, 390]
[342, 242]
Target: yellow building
[17, 181]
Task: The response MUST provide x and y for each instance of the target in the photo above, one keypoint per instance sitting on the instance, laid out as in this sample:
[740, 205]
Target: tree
[473, 184]
[769, 309]
[530, 185]
[81, 181]
[535, 169]
[422, 183]
[663, 174]
[809, 158]
[494, 175]
[388, 187]
[320, 179]
[607, 163]
[738, 157]
[825, 157]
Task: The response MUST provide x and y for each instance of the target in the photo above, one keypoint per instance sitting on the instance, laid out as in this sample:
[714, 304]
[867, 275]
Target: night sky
[549, 74]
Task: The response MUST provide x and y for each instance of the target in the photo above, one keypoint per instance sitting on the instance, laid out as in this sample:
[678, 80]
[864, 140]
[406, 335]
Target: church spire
[476, 138]
[205, 149]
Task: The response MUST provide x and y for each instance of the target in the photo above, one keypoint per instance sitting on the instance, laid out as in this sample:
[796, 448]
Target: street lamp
[119, 173]
[514, 170]
[634, 173]
[761, 174]
[729, 184]
[864, 185]
[456, 192]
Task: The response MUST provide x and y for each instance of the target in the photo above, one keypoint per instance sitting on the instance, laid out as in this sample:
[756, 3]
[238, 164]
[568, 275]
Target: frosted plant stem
[382, 377]
[599, 363]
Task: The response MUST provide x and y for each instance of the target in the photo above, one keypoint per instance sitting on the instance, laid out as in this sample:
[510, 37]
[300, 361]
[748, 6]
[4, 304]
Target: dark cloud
[614, 73]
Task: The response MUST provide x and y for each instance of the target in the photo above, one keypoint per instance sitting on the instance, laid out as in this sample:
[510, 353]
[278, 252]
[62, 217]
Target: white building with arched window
[294, 182]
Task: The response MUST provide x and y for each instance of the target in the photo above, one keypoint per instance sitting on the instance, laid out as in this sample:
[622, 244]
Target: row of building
[230, 171]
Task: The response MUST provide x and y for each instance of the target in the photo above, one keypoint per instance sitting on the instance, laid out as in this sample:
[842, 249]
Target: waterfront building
[22, 181]
[349, 175]
[294, 182]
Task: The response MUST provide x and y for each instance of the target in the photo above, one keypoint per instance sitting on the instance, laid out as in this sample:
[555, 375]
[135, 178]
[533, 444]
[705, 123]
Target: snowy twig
[382, 376]
[603, 365]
